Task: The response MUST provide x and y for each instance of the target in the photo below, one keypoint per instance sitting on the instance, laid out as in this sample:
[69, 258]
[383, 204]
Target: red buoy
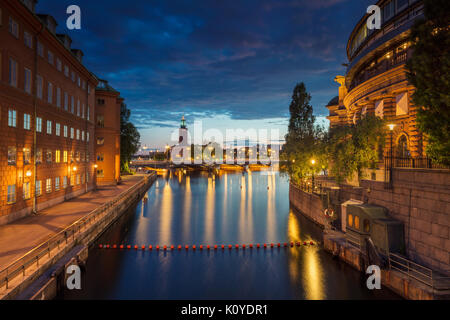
[128, 247]
[193, 247]
[265, 245]
[107, 246]
[179, 247]
[251, 246]
[230, 246]
[143, 247]
[165, 248]
[172, 247]
[237, 246]
[223, 247]
[121, 246]
[157, 247]
[304, 243]
[150, 247]
[311, 243]
[100, 246]
[215, 247]
[201, 247]
[298, 244]
[292, 243]
[115, 246]
[136, 247]
[187, 247]
[285, 244]
[257, 245]
[208, 247]
[278, 245]
[271, 245]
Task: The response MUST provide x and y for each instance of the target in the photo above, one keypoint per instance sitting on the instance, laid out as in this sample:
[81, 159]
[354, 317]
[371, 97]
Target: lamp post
[313, 162]
[391, 156]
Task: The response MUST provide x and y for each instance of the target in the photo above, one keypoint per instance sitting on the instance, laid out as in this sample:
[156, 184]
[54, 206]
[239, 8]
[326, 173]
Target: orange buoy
[135, 247]
[251, 246]
[265, 245]
[150, 247]
[208, 247]
[179, 247]
[215, 247]
[193, 247]
[201, 247]
[121, 246]
[157, 247]
[114, 246]
[311, 243]
[172, 247]
[237, 246]
[187, 247]
[128, 247]
[223, 247]
[165, 248]
[143, 247]
[100, 246]
[257, 245]
[230, 246]
[271, 245]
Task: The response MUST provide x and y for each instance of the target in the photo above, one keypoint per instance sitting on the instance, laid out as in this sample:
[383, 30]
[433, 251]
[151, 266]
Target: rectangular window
[79, 82]
[40, 86]
[50, 93]
[49, 127]
[73, 76]
[65, 132]
[38, 188]
[65, 156]
[100, 157]
[48, 185]
[82, 111]
[388, 10]
[100, 141]
[14, 27]
[56, 183]
[401, 4]
[26, 191]
[64, 182]
[28, 40]
[26, 156]
[402, 104]
[78, 108]
[88, 113]
[26, 121]
[38, 155]
[66, 71]
[87, 177]
[51, 58]
[13, 73]
[87, 136]
[40, 49]
[379, 106]
[12, 156]
[58, 64]
[100, 173]
[11, 194]
[78, 179]
[12, 118]
[57, 129]
[82, 135]
[100, 121]
[57, 156]
[78, 134]
[38, 124]
[72, 133]
[72, 104]
[48, 156]
[27, 78]
[58, 97]
[66, 101]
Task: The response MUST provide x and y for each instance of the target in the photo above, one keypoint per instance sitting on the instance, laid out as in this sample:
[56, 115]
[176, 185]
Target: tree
[429, 71]
[129, 138]
[304, 138]
[354, 148]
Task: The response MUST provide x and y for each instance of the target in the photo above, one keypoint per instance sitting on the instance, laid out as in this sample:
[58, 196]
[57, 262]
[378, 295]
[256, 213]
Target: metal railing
[63, 238]
[418, 272]
[309, 187]
[353, 240]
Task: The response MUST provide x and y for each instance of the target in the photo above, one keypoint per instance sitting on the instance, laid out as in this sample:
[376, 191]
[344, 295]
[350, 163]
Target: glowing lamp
[28, 174]
[391, 126]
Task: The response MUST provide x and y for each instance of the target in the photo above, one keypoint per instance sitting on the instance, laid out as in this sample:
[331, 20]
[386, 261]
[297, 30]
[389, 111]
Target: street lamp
[391, 156]
[313, 162]
[75, 169]
[28, 174]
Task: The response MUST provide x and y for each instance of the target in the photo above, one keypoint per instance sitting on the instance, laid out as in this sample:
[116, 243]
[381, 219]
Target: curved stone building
[375, 81]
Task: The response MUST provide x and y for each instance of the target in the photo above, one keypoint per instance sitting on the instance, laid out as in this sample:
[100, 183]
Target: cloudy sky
[228, 63]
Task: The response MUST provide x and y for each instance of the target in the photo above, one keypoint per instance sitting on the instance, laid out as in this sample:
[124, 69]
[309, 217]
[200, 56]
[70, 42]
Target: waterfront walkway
[19, 237]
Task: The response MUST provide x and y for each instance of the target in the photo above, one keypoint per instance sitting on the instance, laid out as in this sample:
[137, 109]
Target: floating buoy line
[215, 247]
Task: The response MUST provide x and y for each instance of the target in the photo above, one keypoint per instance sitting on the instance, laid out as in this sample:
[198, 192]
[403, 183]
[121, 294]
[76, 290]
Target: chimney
[79, 54]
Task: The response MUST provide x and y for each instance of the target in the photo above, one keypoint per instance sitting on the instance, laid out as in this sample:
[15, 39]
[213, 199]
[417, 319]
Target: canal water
[206, 209]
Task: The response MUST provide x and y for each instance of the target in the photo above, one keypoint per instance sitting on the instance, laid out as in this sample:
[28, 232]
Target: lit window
[12, 156]
[72, 133]
[56, 183]
[64, 182]
[13, 73]
[26, 156]
[14, 27]
[78, 134]
[49, 127]
[100, 121]
[58, 129]
[366, 226]
[350, 220]
[27, 81]
[402, 104]
[87, 136]
[39, 124]
[38, 188]
[379, 106]
[48, 185]
[58, 156]
[100, 141]
[26, 121]
[82, 135]
[356, 222]
[11, 194]
[26, 191]
[65, 156]
[65, 132]
[12, 118]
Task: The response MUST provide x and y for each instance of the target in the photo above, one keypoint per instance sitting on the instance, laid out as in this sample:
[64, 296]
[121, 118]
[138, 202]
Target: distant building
[376, 83]
[48, 110]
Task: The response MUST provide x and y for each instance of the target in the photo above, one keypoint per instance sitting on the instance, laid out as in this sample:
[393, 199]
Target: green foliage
[355, 147]
[129, 138]
[429, 72]
[304, 138]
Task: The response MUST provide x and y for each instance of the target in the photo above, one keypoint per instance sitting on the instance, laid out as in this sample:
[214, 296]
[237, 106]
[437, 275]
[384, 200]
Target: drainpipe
[34, 210]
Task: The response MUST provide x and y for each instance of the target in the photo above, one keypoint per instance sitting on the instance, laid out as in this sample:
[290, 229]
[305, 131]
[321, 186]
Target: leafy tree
[429, 72]
[304, 138]
[356, 147]
[129, 138]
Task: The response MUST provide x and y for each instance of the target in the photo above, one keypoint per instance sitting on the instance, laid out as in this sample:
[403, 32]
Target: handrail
[34, 255]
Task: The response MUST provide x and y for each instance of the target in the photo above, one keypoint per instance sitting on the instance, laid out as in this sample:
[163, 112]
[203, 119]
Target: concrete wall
[420, 198]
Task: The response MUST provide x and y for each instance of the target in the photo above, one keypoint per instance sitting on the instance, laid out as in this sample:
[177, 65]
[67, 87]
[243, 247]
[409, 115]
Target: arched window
[402, 147]
[350, 220]
[356, 222]
[366, 226]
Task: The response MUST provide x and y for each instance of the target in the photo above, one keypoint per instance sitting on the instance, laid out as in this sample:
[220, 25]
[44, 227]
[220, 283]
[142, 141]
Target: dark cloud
[239, 58]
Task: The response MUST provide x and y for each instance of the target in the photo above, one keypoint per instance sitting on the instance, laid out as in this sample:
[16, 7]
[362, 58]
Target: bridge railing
[62, 238]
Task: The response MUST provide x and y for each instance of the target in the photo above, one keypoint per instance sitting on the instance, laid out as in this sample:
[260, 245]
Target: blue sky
[232, 64]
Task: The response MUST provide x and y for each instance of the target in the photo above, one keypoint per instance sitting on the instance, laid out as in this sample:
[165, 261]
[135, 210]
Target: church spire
[183, 123]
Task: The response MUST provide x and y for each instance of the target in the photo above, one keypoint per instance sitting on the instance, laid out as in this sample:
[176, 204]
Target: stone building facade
[375, 81]
[47, 114]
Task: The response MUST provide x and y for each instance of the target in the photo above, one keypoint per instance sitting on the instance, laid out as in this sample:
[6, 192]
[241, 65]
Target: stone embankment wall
[420, 198]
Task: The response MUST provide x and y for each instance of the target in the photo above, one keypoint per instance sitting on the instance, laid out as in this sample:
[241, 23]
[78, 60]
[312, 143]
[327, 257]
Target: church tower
[183, 133]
